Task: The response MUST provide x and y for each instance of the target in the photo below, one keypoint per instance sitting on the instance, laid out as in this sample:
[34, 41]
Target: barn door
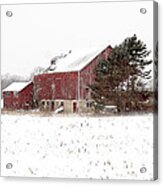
[52, 106]
[74, 107]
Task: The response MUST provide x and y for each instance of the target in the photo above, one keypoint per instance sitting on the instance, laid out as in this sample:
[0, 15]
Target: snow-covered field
[112, 147]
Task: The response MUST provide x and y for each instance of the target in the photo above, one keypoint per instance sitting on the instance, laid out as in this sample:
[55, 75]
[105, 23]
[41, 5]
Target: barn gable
[76, 60]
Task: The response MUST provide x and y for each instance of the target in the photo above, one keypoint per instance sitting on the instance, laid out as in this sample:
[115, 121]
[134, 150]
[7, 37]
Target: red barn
[18, 95]
[65, 83]
[63, 86]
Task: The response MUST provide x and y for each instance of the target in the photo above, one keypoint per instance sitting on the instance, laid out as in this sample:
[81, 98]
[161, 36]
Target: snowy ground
[77, 147]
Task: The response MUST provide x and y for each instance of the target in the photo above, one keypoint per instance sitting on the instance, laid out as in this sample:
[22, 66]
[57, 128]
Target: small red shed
[18, 95]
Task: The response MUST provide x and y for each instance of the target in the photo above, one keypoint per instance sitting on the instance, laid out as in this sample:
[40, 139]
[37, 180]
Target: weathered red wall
[19, 101]
[56, 86]
[66, 83]
[87, 75]
[63, 85]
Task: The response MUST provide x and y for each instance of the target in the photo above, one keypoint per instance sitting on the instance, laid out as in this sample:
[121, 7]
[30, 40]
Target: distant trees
[119, 78]
[7, 79]
[36, 71]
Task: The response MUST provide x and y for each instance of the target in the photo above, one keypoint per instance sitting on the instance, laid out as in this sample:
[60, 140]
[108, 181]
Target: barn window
[8, 93]
[62, 103]
[88, 104]
[43, 103]
[53, 105]
[27, 103]
[87, 89]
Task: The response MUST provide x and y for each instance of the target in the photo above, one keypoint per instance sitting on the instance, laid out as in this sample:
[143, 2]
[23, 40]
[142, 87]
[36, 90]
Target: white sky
[36, 33]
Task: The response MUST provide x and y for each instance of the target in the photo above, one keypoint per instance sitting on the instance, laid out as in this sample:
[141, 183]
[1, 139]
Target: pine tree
[99, 86]
[117, 77]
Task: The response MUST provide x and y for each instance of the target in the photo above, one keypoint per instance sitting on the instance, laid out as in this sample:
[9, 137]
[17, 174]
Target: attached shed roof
[16, 86]
[76, 60]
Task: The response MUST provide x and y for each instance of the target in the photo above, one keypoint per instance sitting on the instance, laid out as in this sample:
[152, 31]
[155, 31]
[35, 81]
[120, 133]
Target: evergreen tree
[120, 73]
[99, 86]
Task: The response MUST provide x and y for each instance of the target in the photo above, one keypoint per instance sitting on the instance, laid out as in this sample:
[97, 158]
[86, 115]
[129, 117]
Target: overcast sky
[36, 33]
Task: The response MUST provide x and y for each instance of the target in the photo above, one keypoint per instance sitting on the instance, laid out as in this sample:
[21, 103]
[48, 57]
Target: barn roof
[76, 60]
[16, 86]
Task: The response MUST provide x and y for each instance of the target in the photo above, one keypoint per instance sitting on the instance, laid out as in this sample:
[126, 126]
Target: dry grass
[27, 112]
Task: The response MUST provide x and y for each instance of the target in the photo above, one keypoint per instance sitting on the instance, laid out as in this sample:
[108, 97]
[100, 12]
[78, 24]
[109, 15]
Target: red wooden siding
[87, 75]
[19, 100]
[56, 86]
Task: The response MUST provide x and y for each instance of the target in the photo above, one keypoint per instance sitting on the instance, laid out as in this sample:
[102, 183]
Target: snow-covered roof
[76, 60]
[16, 86]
